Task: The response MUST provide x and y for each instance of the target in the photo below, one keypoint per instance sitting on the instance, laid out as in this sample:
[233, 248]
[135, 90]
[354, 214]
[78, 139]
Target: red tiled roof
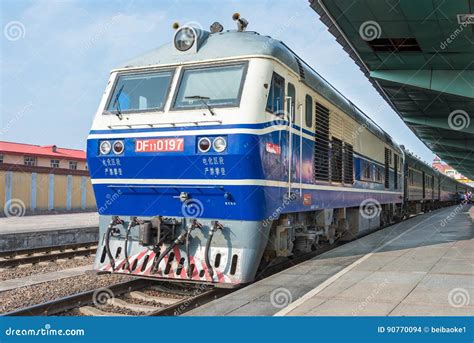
[439, 165]
[45, 151]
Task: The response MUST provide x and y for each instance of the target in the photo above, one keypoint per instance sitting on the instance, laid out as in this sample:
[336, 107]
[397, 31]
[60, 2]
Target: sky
[56, 57]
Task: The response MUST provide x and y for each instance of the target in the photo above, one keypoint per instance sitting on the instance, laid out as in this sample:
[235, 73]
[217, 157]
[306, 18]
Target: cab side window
[309, 111]
[276, 95]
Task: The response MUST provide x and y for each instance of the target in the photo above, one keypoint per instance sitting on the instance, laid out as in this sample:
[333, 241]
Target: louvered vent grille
[301, 69]
[336, 160]
[321, 146]
[348, 164]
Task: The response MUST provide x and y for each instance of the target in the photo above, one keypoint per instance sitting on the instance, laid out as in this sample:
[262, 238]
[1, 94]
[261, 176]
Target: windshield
[213, 86]
[140, 92]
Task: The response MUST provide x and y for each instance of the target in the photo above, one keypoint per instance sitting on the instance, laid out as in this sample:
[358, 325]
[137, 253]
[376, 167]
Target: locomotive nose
[156, 176]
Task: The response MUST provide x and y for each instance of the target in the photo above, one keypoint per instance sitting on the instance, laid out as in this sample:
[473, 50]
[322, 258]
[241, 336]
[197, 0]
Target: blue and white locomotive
[223, 152]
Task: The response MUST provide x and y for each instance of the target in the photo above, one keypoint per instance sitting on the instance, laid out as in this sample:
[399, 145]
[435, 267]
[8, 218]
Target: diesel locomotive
[223, 151]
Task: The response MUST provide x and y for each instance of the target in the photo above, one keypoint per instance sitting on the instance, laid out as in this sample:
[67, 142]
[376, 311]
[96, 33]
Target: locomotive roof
[416, 162]
[251, 43]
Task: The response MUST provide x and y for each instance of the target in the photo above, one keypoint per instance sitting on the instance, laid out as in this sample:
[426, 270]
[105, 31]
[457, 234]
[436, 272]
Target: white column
[33, 191]
[51, 192]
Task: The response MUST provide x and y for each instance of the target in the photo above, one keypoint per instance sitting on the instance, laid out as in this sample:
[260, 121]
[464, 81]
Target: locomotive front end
[169, 156]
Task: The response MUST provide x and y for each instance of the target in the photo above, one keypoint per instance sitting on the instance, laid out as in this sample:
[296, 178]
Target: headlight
[118, 147]
[105, 147]
[204, 144]
[184, 39]
[219, 144]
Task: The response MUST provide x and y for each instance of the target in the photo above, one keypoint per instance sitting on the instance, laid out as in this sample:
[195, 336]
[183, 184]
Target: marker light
[219, 144]
[105, 148]
[204, 144]
[184, 39]
[118, 147]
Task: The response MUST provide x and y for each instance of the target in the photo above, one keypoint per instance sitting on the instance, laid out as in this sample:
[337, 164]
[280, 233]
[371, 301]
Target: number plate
[159, 145]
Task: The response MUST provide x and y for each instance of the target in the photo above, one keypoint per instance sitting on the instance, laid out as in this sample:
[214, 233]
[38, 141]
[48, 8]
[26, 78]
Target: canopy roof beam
[455, 143]
[455, 82]
[439, 123]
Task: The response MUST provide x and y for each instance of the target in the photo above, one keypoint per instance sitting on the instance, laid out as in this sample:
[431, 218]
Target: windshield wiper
[116, 104]
[204, 100]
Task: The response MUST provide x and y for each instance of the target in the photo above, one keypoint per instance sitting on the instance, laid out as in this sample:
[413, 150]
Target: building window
[73, 165]
[86, 166]
[54, 163]
[1, 158]
[30, 161]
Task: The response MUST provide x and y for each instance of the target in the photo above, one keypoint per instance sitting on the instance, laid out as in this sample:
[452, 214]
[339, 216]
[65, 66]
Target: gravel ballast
[48, 291]
[27, 270]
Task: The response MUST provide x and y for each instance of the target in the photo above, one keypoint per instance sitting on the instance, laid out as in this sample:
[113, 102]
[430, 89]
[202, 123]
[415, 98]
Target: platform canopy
[419, 55]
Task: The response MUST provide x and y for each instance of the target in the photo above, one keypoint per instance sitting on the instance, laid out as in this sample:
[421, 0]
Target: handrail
[290, 140]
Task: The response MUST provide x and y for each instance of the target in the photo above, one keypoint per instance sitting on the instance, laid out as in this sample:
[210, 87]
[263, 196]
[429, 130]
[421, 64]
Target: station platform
[423, 266]
[31, 232]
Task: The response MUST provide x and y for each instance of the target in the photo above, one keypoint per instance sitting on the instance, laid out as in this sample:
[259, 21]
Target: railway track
[127, 298]
[155, 300]
[11, 259]
[144, 297]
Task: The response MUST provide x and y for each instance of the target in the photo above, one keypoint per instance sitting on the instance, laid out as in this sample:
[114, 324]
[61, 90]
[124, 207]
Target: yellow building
[38, 179]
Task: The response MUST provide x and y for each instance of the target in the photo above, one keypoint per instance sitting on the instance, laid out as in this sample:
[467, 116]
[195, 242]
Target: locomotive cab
[171, 146]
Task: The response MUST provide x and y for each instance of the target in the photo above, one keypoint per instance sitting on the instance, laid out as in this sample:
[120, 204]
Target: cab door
[423, 185]
[291, 113]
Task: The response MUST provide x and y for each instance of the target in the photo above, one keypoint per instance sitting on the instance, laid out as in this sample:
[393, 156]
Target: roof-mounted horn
[241, 22]
[216, 27]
